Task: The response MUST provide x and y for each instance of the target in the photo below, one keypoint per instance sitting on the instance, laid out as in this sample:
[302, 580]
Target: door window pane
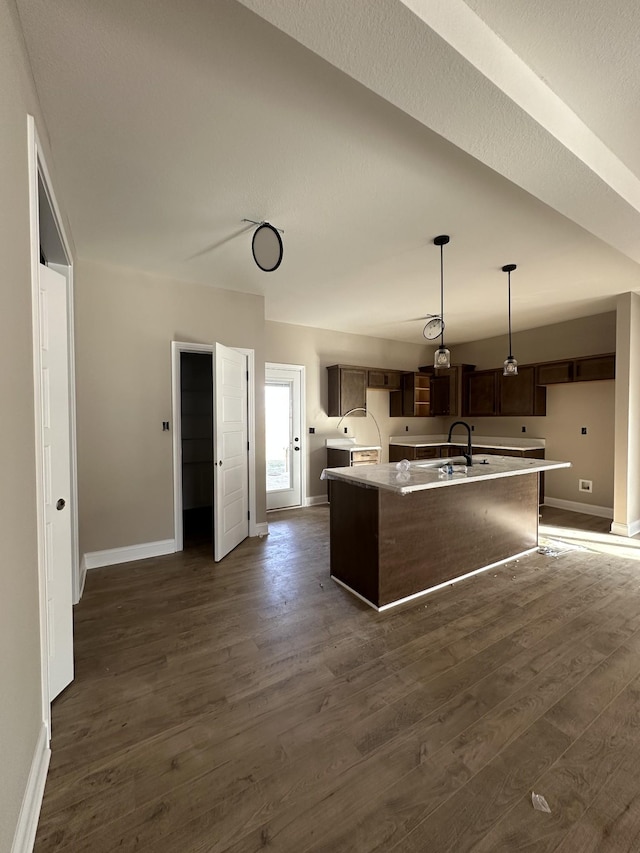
[278, 413]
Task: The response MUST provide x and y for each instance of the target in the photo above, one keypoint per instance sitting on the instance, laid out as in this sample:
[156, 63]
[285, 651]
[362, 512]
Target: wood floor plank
[574, 781]
[254, 704]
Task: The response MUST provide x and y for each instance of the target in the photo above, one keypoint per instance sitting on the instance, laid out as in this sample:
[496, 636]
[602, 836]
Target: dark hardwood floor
[255, 705]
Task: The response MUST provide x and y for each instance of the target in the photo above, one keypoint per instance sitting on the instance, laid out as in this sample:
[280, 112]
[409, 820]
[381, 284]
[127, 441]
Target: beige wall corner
[21, 708]
[626, 506]
[125, 322]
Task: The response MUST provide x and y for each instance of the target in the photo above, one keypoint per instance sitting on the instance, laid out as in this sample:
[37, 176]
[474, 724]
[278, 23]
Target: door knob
[220, 463]
[60, 504]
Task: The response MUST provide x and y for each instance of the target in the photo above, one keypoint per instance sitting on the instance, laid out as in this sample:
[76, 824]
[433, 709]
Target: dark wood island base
[387, 547]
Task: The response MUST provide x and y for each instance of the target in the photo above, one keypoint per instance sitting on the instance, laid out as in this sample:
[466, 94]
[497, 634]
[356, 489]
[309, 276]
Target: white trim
[576, 506]
[113, 556]
[25, 834]
[627, 530]
[316, 500]
[83, 574]
[438, 586]
[262, 529]
[38, 166]
[176, 348]
[37, 405]
[251, 433]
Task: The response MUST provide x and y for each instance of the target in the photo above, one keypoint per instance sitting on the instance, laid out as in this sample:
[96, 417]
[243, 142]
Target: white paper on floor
[539, 803]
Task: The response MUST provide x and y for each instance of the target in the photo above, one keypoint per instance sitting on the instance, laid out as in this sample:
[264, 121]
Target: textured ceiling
[363, 130]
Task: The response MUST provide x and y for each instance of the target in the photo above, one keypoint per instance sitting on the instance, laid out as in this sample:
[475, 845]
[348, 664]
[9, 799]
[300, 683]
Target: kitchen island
[396, 534]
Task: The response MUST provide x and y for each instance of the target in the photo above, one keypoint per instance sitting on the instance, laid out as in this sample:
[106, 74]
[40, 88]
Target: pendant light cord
[442, 295]
[509, 289]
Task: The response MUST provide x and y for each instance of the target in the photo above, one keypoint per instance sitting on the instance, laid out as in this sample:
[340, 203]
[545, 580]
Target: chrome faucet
[466, 455]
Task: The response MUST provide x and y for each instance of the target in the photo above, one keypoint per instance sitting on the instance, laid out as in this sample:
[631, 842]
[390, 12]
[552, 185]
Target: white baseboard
[25, 833]
[113, 556]
[576, 506]
[261, 529]
[627, 530]
[316, 500]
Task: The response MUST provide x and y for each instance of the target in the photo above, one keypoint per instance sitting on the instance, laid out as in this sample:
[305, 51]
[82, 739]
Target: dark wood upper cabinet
[554, 372]
[480, 395]
[441, 396]
[519, 395]
[347, 389]
[594, 367]
[390, 380]
[416, 395]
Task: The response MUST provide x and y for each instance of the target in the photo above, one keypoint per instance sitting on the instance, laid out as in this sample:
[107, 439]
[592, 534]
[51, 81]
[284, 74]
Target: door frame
[300, 368]
[38, 170]
[178, 347]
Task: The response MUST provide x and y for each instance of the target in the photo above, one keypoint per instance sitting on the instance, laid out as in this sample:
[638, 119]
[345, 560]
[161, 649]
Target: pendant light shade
[442, 356]
[510, 364]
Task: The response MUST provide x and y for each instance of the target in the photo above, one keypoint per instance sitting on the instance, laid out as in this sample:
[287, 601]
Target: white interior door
[283, 434]
[56, 477]
[231, 474]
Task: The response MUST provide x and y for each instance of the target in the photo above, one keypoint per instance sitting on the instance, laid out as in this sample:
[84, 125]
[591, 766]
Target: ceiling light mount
[266, 245]
[442, 356]
[510, 367]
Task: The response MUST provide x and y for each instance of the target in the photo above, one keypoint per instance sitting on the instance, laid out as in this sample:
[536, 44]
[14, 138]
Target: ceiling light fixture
[266, 245]
[510, 364]
[442, 356]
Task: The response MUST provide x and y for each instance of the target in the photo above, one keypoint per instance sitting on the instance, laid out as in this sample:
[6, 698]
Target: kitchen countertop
[459, 438]
[349, 444]
[426, 474]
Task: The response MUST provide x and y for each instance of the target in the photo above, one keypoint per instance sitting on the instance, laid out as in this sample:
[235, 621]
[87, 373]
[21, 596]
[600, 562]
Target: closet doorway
[196, 428]
[213, 456]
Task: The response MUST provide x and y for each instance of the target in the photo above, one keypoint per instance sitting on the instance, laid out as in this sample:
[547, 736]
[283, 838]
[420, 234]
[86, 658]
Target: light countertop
[426, 474]
[349, 444]
[459, 438]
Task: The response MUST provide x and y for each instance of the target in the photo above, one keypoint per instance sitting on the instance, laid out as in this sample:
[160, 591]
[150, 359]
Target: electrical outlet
[524, 429]
[345, 430]
[406, 429]
[583, 430]
[472, 428]
[312, 430]
[585, 486]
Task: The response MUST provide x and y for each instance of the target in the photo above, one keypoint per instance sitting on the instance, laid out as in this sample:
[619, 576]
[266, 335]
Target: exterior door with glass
[283, 434]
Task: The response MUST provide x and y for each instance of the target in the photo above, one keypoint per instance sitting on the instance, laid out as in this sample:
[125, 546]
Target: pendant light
[510, 364]
[442, 356]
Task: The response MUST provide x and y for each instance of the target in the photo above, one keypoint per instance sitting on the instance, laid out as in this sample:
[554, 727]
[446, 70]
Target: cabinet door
[427, 452]
[554, 372]
[338, 458]
[480, 396]
[519, 395]
[595, 367]
[347, 389]
[398, 452]
[386, 379]
[440, 396]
